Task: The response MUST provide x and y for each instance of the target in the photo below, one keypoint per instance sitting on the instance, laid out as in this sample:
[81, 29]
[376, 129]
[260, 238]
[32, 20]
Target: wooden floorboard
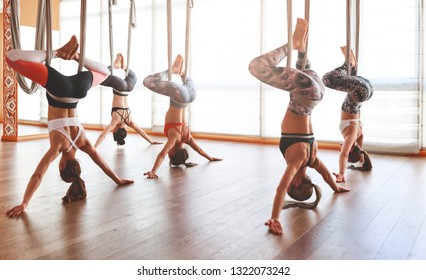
[214, 211]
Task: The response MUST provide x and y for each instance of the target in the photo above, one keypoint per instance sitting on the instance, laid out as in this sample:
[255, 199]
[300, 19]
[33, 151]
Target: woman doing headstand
[359, 90]
[297, 142]
[66, 134]
[120, 112]
[175, 128]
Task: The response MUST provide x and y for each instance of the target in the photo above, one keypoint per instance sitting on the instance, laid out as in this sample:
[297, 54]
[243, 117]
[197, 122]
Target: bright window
[227, 34]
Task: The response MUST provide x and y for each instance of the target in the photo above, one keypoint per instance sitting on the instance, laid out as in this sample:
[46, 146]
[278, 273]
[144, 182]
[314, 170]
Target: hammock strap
[348, 35]
[169, 38]
[111, 33]
[289, 31]
[83, 17]
[43, 23]
[358, 20]
[307, 15]
[132, 25]
[189, 6]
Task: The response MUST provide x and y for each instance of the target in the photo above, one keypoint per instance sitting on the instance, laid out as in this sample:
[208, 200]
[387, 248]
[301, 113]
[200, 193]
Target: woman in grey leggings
[297, 143]
[175, 128]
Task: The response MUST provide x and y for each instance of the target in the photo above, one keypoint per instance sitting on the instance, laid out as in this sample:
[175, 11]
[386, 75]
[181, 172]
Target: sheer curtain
[226, 35]
[96, 107]
[30, 105]
[391, 58]
[422, 60]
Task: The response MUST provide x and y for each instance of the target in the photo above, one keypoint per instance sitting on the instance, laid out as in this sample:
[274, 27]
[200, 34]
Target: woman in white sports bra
[297, 143]
[66, 134]
[359, 90]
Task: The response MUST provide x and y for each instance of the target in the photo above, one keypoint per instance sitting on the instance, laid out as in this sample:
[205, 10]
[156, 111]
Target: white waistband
[58, 123]
[63, 99]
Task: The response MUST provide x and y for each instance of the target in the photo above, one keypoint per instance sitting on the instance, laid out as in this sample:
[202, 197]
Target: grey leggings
[305, 87]
[180, 95]
[120, 86]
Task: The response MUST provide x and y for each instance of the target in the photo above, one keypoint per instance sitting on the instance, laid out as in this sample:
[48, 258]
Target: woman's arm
[320, 167]
[290, 171]
[160, 158]
[193, 144]
[95, 156]
[108, 129]
[35, 181]
[139, 130]
[349, 140]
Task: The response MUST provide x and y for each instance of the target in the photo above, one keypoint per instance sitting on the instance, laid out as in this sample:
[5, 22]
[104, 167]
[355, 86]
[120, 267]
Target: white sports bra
[59, 124]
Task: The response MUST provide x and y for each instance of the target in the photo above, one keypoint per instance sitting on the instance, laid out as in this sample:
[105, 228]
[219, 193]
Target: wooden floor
[215, 210]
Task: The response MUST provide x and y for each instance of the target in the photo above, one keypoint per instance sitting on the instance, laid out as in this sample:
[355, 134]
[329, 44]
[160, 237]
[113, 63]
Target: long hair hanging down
[302, 193]
[71, 174]
[179, 157]
[354, 154]
[119, 136]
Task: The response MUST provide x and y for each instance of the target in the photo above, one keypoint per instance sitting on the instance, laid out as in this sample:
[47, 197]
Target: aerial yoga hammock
[43, 29]
[43, 22]
[12, 41]
[11, 80]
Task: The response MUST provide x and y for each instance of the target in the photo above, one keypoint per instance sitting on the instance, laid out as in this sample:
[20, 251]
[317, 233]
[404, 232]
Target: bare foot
[76, 56]
[68, 50]
[73, 52]
[300, 35]
[274, 226]
[177, 65]
[119, 61]
[352, 59]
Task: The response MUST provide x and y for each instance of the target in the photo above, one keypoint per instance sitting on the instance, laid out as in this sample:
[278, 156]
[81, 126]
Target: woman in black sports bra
[120, 112]
[297, 143]
[66, 133]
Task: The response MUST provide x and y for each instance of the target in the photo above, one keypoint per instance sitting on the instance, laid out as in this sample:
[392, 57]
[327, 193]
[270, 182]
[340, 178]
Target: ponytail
[179, 157]
[119, 136]
[302, 193]
[71, 174]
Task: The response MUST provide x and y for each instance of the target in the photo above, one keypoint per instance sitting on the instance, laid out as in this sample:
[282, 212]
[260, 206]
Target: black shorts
[288, 139]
